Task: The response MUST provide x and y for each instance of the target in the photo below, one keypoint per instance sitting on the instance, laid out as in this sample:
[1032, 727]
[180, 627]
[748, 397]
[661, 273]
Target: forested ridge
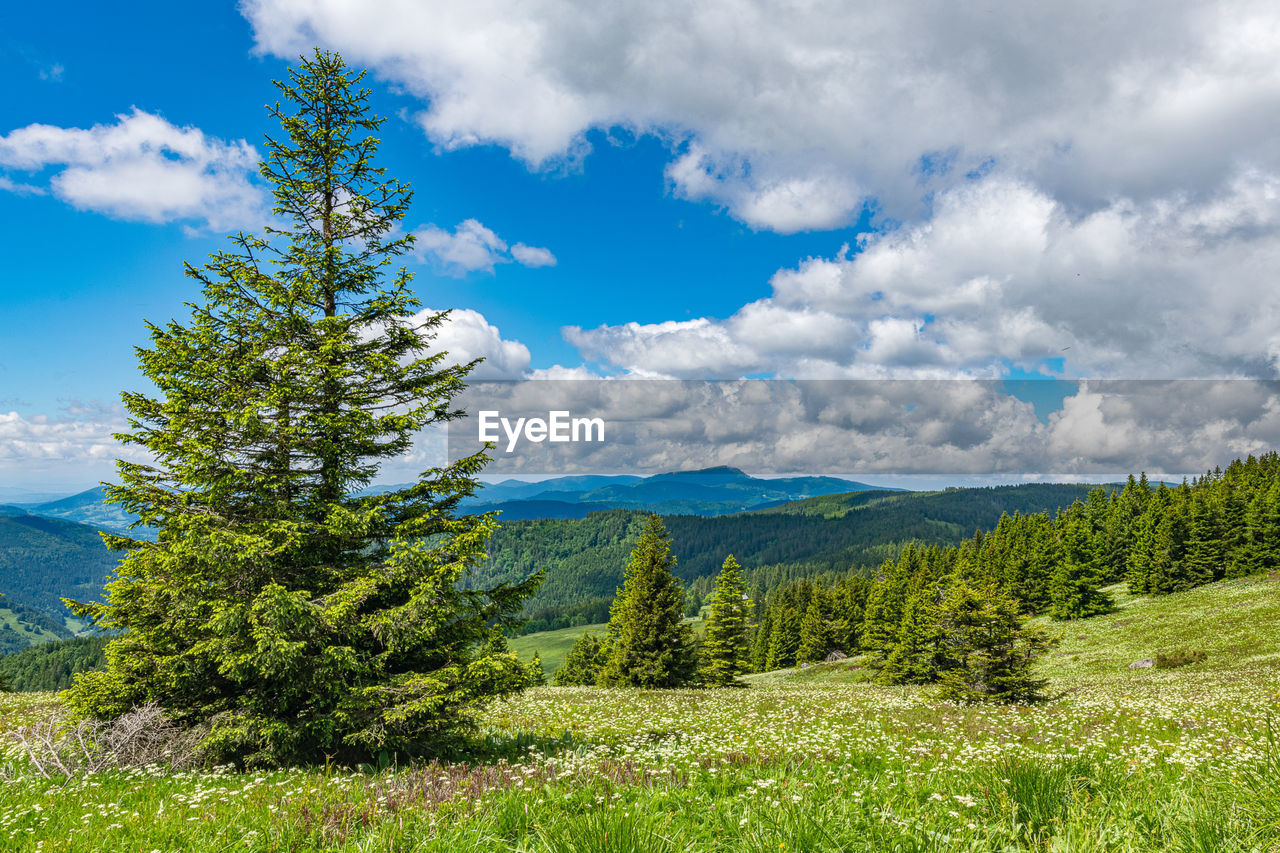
[584, 558]
[1161, 540]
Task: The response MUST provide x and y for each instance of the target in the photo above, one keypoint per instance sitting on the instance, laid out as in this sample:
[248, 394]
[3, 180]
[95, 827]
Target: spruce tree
[583, 663]
[815, 635]
[990, 648]
[760, 640]
[649, 643]
[724, 648]
[292, 619]
[784, 639]
[914, 657]
[1075, 590]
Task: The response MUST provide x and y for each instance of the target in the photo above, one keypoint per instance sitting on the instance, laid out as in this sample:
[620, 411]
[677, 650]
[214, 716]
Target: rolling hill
[584, 558]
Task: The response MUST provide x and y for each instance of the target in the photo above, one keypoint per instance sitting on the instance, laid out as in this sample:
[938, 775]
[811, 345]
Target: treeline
[1159, 540]
[51, 666]
[583, 558]
[966, 634]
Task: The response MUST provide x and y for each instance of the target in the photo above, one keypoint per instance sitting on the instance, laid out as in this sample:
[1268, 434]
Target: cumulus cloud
[75, 447]
[532, 256]
[899, 427]
[467, 335]
[793, 117]
[472, 247]
[1003, 274]
[143, 169]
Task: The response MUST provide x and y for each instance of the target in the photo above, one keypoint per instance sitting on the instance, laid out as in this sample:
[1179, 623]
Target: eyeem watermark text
[558, 426]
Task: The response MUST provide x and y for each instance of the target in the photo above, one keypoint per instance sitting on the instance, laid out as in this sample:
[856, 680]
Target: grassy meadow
[1180, 759]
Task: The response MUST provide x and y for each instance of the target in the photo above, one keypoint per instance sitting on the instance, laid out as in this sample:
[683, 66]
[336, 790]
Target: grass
[1126, 760]
[31, 633]
[552, 646]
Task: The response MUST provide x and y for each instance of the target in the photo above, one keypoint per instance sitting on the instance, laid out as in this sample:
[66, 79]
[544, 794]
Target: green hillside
[52, 665]
[1234, 623]
[22, 627]
[584, 558]
[551, 646]
[45, 559]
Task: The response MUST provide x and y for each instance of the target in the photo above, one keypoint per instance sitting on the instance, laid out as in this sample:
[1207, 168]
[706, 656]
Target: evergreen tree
[649, 643]
[913, 659]
[885, 602]
[724, 649]
[1075, 589]
[990, 648]
[293, 619]
[815, 636]
[583, 663]
[1168, 568]
[850, 603]
[1261, 549]
[784, 639]
[1144, 547]
[1206, 554]
[760, 640]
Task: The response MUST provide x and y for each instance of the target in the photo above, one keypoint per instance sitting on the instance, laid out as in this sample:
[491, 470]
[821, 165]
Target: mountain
[706, 492]
[584, 545]
[584, 558]
[87, 507]
[22, 627]
[44, 559]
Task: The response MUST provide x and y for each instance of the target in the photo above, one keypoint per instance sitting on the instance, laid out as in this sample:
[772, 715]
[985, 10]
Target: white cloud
[958, 428]
[792, 116]
[142, 168]
[1178, 286]
[473, 247]
[72, 450]
[467, 335]
[532, 256]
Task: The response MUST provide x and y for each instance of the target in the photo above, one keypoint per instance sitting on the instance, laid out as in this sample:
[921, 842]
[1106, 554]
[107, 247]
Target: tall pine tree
[724, 648]
[292, 619]
[649, 643]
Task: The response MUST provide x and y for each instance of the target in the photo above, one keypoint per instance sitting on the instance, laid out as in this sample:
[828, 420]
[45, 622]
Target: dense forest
[584, 558]
[51, 666]
[43, 560]
[1225, 524]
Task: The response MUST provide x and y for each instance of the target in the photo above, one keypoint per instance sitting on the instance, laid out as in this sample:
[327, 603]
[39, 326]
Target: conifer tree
[724, 649]
[885, 602]
[1206, 555]
[784, 638]
[649, 643]
[815, 636]
[1144, 548]
[914, 658]
[761, 638]
[990, 648]
[1168, 569]
[850, 607]
[293, 619]
[1075, 589]
[1261, 549]
[582, 665]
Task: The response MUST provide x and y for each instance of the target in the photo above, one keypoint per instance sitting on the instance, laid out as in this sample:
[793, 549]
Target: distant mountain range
[577, 528]
[88, 507]
[707, 492]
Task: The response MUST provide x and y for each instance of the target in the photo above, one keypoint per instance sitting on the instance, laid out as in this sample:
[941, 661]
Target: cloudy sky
[715, 190]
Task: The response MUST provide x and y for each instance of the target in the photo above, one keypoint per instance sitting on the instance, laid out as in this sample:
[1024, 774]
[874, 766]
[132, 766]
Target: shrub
[1177, 658]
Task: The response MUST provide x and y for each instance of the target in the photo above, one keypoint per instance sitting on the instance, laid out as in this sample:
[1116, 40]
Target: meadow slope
[1135, 760]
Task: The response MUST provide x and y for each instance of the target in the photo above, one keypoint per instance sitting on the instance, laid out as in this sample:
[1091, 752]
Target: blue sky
[726, 190]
